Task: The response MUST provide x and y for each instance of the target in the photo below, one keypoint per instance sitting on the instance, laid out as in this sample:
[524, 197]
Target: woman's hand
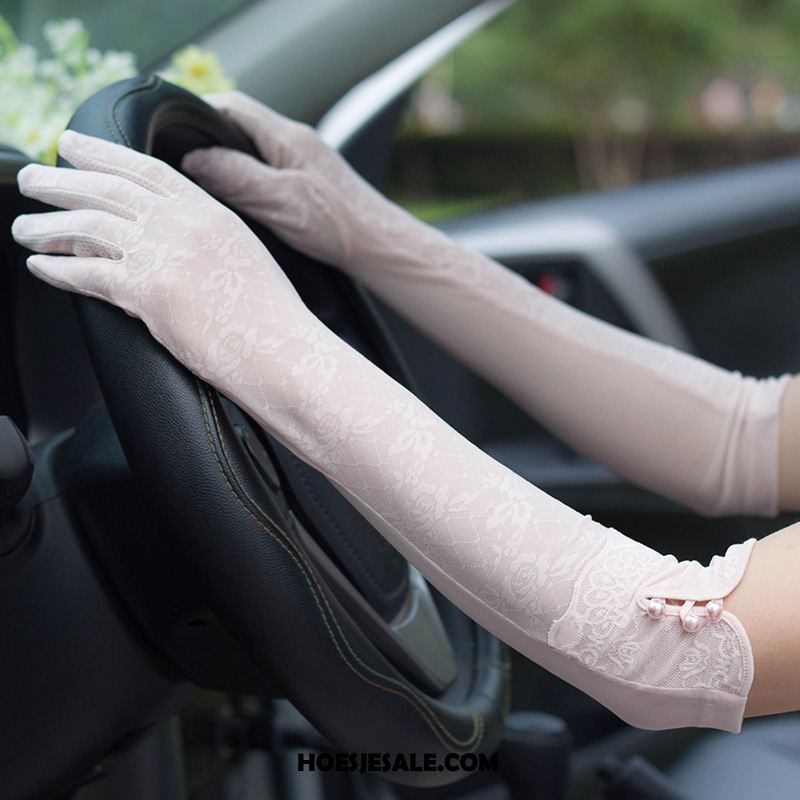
[306, 193]
[140, 235]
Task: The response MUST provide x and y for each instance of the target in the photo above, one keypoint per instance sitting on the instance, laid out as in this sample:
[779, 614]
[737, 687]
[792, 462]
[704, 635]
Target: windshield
[151, 29]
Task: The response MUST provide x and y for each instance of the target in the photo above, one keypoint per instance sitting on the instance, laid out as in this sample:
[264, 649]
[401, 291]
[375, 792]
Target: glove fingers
[247, 112]
[74, 189]
[90, 153]
[240, 180]
[287, 201]
[82, 232]
[93, 277]
[272, 133]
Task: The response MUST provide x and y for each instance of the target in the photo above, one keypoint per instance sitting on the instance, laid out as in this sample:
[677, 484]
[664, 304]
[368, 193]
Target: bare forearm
[765, 601]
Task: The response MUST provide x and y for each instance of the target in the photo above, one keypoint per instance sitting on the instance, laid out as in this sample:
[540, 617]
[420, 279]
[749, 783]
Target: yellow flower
[199, 71]
[50, 154]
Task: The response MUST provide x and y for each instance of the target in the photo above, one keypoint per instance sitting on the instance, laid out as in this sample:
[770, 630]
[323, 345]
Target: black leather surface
[350, 539]
[11, 161]
[377, 570]
[235, 538]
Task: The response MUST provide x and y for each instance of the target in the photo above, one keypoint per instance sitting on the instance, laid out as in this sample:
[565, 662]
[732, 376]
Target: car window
[554, 97]
[149, 28]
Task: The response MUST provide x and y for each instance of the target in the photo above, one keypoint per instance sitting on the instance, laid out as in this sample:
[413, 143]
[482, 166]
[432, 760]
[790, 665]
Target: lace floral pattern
[564, 588]
[607, 629]
[658, 417]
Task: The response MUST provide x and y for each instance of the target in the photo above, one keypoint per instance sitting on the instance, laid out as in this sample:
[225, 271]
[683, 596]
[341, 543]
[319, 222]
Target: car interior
[186, 607]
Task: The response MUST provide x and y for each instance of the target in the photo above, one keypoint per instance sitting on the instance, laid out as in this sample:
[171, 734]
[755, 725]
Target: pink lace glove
[658, 417]
[582, 600]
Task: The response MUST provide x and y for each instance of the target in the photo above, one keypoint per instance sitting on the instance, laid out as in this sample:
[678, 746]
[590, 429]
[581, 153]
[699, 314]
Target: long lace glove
[646, 635]
[658, 417]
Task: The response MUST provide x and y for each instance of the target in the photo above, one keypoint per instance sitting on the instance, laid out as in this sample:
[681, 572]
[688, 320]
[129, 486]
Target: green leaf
[8, 39]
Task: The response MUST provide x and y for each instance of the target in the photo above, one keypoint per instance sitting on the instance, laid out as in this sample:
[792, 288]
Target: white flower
[40, 95]
[65, 35]
[19, 65]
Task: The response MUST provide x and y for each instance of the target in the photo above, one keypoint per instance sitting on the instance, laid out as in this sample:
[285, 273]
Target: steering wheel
[330, 615]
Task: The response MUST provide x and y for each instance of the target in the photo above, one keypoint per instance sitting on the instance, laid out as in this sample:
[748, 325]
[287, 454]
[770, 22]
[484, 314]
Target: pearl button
[714, 610]
[691, 623]
[655, 608]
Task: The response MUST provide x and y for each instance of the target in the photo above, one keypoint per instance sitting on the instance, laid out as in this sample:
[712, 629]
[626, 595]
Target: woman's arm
[765, 602]
[652, 638]
[658, 417]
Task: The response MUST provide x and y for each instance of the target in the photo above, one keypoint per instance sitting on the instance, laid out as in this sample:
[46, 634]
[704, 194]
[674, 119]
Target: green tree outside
[622, 78]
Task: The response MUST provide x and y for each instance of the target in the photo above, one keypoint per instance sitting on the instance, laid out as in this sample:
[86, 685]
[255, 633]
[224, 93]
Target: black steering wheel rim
[181, 444]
